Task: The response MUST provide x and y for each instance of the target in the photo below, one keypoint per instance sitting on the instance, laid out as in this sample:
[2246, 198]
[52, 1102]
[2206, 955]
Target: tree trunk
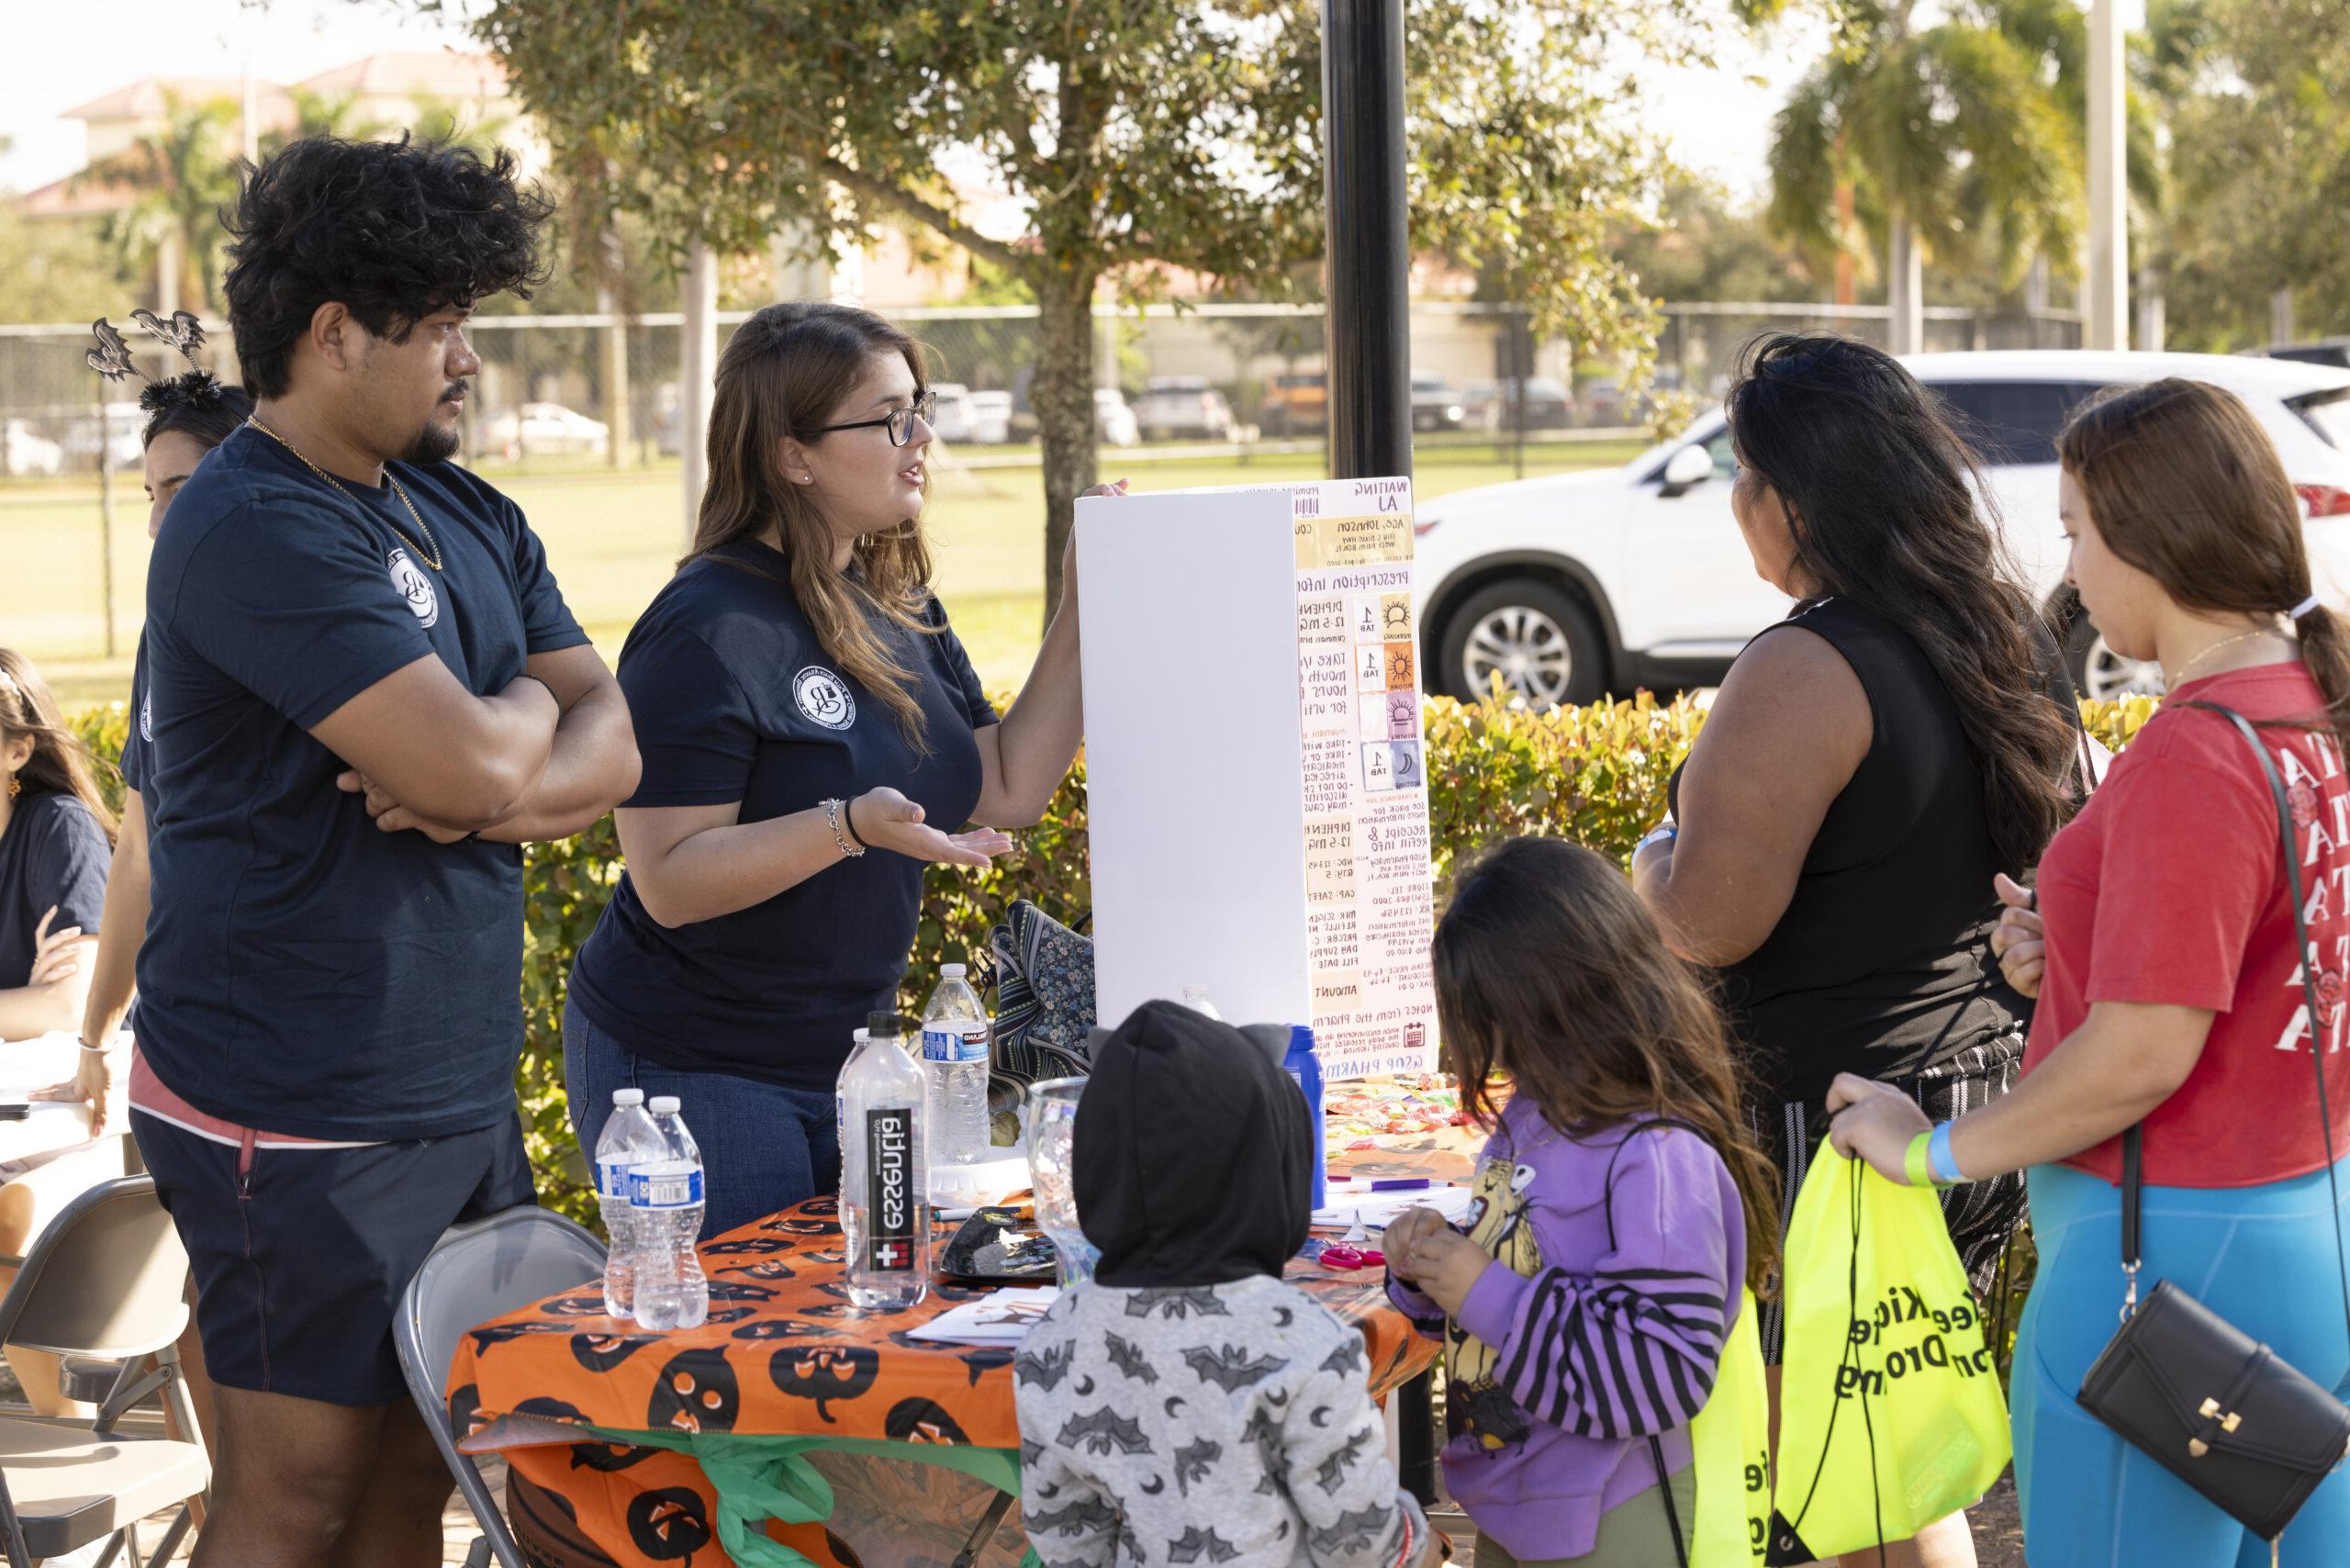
[1062, 395]
[1905, 291]
[697, 364]
[2153, 315]
[1847, 227]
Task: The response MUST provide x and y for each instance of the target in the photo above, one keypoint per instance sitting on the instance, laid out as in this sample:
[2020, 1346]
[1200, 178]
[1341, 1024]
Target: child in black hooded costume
[1187, 1406]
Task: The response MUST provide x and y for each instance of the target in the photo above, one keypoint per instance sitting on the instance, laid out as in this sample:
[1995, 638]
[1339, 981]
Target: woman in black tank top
[1870, 765]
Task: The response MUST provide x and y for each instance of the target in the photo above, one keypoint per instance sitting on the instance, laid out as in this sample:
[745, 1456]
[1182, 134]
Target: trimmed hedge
[1595, 775]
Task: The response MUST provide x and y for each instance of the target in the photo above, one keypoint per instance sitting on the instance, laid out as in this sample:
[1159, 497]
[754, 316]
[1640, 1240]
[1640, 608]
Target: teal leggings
[2261, 1258]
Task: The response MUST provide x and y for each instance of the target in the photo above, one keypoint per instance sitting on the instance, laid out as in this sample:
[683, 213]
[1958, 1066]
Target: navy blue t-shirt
[140, 731]
[303, 972]
[735, 700]
[53, 853]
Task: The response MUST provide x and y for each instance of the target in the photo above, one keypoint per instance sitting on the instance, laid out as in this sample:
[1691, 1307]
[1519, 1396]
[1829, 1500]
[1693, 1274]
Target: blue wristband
[1938, 1156]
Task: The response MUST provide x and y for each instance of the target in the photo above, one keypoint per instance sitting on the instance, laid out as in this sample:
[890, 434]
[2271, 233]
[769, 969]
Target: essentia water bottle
[629, 1140]
[882, 1180]
[955, 1060]
[667, 1194]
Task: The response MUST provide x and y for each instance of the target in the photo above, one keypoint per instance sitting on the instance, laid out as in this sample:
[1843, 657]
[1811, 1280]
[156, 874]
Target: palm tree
[326, 114]
[185, 173]
[1952, 142]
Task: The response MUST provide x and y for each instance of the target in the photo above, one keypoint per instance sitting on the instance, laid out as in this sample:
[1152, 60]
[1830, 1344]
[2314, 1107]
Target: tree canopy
[1139, 137]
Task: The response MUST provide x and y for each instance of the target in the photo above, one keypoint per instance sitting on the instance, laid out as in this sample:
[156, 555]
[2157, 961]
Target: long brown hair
[60, 763]
[2183, 484]
[783, 375]
[1549, 970]
[1887, 509]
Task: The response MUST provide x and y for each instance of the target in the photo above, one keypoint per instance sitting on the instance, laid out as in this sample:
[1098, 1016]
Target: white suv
[1576, 585]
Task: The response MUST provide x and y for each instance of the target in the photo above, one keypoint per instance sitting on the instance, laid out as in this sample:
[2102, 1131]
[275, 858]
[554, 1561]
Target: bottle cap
[662, 1104]
[1301, 1038]
[952, 971]
[884, 1026]
[622, 1097]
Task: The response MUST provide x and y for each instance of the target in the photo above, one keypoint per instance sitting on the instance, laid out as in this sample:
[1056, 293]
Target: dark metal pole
[1369, 329]
[1369, 333]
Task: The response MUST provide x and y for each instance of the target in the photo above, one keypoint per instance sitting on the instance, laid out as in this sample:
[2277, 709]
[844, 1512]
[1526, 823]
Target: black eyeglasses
[899, 422]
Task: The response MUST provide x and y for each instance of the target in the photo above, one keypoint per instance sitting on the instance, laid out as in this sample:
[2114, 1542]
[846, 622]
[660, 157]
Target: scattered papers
[1002, 1318]
[1375, 1211]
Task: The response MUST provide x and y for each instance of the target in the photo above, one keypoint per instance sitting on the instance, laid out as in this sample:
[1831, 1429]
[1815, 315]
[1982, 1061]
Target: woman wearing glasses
[813, 737]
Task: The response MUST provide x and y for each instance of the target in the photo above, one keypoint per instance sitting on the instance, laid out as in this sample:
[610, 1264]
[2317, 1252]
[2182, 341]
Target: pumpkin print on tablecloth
[922, 1421]
[696, 1393]
[669, 1525]
[825, 1373]
[602, 1352]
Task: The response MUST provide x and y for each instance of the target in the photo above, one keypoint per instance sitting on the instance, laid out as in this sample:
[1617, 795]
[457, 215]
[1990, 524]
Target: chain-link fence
[578, 417]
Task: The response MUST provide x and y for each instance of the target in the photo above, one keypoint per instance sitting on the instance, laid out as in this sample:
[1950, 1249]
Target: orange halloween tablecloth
[783, 1354]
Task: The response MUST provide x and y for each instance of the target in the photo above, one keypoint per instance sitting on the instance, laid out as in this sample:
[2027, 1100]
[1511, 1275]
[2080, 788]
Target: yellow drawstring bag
[1890, 1415]
[1730, 1440]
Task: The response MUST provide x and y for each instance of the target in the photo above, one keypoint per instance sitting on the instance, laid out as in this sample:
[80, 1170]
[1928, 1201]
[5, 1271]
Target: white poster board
[1255, 783]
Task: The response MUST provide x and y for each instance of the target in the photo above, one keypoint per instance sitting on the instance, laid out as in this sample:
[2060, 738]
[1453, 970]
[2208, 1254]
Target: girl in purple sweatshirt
[1620, 1206]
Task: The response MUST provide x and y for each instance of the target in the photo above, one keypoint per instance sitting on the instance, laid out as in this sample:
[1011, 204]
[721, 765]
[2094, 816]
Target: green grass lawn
[614, 537]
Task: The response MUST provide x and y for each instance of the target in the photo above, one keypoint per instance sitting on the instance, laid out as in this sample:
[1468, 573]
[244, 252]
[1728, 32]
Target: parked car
[1571, 586]
[953, 419]
[990, 417]
[78, 443]
[26, 453]
[1183, 407]
[1296, 404]
[1481, 404]
[1435, 405]
[1113, 422]
[541, 430]
[2334, 351]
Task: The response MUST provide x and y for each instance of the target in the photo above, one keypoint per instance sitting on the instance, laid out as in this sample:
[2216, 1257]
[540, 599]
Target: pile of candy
[1392, 1111]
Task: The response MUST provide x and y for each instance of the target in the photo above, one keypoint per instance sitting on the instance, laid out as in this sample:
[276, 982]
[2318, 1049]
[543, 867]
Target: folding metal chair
[102, 1281]
[476, 1272]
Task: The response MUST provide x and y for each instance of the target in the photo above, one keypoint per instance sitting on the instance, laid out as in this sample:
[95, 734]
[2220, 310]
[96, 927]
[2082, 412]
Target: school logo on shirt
[824, 697]
[147, 718]
[414, 587]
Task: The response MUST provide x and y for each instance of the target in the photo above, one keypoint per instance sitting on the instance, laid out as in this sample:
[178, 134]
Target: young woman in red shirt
[2160, 942]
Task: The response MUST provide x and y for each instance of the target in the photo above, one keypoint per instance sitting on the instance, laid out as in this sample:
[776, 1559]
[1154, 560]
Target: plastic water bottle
[955, 1059]
[1303, 1065]
[883, 1219]
[1195, 997]
[629, 1138]
[667, 1194]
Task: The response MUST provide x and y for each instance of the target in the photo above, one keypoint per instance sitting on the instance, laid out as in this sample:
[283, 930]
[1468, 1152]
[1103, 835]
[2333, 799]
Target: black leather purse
[2217, 1409]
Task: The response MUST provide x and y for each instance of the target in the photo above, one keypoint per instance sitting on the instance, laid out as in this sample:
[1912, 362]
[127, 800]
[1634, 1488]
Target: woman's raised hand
[885, 819]
[2018, 941]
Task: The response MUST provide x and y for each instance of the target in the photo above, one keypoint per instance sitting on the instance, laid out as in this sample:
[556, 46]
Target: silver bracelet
[833, 815]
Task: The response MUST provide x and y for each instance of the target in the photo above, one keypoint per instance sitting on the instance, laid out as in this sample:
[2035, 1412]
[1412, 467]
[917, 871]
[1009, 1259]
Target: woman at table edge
[2159, 940]
[801, 703]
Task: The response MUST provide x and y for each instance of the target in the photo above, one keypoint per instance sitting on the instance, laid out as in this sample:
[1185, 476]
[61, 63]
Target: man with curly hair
[365, 692]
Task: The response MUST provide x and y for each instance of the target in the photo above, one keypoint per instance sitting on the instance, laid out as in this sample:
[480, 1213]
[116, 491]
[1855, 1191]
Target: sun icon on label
[1398, 618]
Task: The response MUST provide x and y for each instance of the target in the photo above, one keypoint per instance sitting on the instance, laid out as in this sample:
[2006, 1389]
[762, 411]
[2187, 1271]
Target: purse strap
[2132, 1141]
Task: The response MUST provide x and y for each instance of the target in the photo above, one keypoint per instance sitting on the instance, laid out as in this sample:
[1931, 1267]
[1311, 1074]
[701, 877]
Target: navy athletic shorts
[301, 1254]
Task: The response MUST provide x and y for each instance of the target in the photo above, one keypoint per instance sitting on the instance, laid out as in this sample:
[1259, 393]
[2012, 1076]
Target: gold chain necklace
[2224, 643]
[430, 549]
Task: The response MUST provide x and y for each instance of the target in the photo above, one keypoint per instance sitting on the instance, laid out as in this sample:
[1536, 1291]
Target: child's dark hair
[1549, 970]
[392, 231]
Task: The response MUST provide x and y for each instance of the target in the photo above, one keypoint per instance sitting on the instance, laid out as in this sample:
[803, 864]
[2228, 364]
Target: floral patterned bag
[1043, 1003]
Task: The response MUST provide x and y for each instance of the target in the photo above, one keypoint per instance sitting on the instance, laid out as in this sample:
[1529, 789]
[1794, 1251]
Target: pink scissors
[1344, 1257]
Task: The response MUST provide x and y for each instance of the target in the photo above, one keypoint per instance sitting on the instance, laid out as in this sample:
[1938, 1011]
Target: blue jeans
[762, 1148]
[2262, 1258]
